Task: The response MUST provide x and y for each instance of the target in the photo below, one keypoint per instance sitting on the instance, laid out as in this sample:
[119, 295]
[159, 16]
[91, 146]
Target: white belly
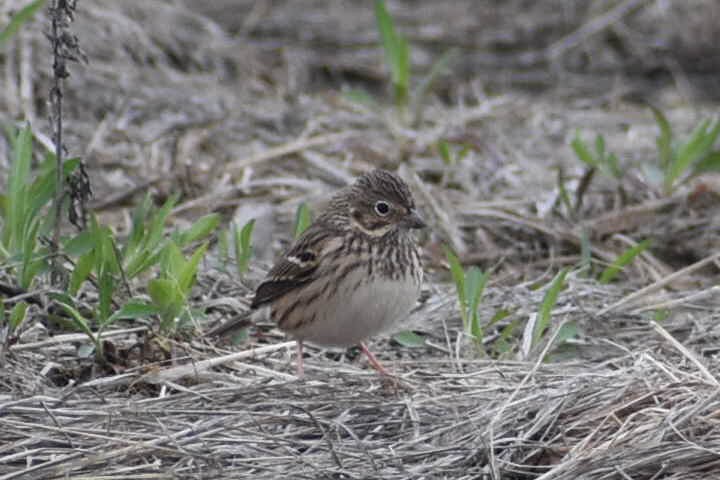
[354, 314]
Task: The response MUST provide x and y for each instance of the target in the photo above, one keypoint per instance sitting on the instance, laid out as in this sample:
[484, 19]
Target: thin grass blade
[609, 274]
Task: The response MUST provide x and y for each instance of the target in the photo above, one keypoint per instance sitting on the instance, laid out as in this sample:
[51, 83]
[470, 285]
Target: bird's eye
[382, 208]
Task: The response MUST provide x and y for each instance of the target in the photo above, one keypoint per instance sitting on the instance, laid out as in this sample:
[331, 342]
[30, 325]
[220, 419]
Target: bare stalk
[64, 48]
[56, 95]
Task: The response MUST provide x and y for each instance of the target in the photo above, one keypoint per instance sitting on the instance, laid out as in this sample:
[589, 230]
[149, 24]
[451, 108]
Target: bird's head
[380, 202]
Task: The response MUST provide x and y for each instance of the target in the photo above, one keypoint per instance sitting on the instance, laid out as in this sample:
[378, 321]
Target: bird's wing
[297, 266]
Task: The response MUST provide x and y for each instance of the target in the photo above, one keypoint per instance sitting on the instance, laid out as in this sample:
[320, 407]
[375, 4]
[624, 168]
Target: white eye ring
[382, 208]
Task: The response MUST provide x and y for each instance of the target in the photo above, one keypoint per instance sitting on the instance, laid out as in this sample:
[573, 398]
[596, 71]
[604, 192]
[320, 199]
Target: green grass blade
[168, 299]
[81, 272]
[361, 97]
[599, 146]
[137, 230]
[458, 276]
[548, 303]
[163, 293]
[106, 288]
[19, 19]
[42, 190]
[18, 181]
[303, 218]
[397, 53]
[189, 270]
[29, 258]
[4, 206]
[567, 331]
[402, 84]
[609, 274]
[502, 344]
[563, 193]
[582, 151]
[151, 241]
[612, 166]
[172, 261]
[409, 339]
[199, 230]
[711, 163]
[243, 246]
[585, 251]
[700, 142]
[664, 140]
[443, 148]
[79, 322]
[705, 142]
[17, 315]
[133, 310]
[80, 244]
[562, 350]
[475, 281]
[157, 223]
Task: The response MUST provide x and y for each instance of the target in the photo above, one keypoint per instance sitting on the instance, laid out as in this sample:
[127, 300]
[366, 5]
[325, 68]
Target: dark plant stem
[56, 97]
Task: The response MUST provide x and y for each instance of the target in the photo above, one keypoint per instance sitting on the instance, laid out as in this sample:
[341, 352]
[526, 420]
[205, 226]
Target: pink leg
[299, 360]
[374, 361]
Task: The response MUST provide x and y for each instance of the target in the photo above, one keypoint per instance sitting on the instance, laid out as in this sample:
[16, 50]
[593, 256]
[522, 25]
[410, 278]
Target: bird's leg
[299, 360]
[374, 361]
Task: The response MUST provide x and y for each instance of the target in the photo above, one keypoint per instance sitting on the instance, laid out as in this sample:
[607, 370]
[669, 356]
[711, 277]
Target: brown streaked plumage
[354, 272]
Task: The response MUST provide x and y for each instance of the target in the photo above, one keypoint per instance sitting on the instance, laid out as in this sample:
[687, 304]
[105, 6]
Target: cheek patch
[370, 226]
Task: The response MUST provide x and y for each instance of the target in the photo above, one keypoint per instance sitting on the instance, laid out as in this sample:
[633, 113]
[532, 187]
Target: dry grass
[237, 106]
[651, 413]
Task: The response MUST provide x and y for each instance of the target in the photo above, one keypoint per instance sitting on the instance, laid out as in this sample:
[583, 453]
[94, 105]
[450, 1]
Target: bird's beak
[413, 220]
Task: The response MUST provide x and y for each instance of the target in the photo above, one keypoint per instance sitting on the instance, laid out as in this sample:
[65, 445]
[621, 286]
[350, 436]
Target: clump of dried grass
[640, 415]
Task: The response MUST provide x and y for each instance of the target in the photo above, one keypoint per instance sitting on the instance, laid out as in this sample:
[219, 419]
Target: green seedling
[199, 230]
[452, 154]
[409, 339]
[681, 160]
[469, 286]
[242, 240]
[98, 258]
[563, 350]
[397, 57]
[17, 315]
[548, 304]
[147, 239]
[19, 19]
[660, 315]
[564, 197]
[597, 158]
[23, 208]
[501, 345]
[97, 254]
[303, 218]
[609, 274]
[170, 290]
[132, 310]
